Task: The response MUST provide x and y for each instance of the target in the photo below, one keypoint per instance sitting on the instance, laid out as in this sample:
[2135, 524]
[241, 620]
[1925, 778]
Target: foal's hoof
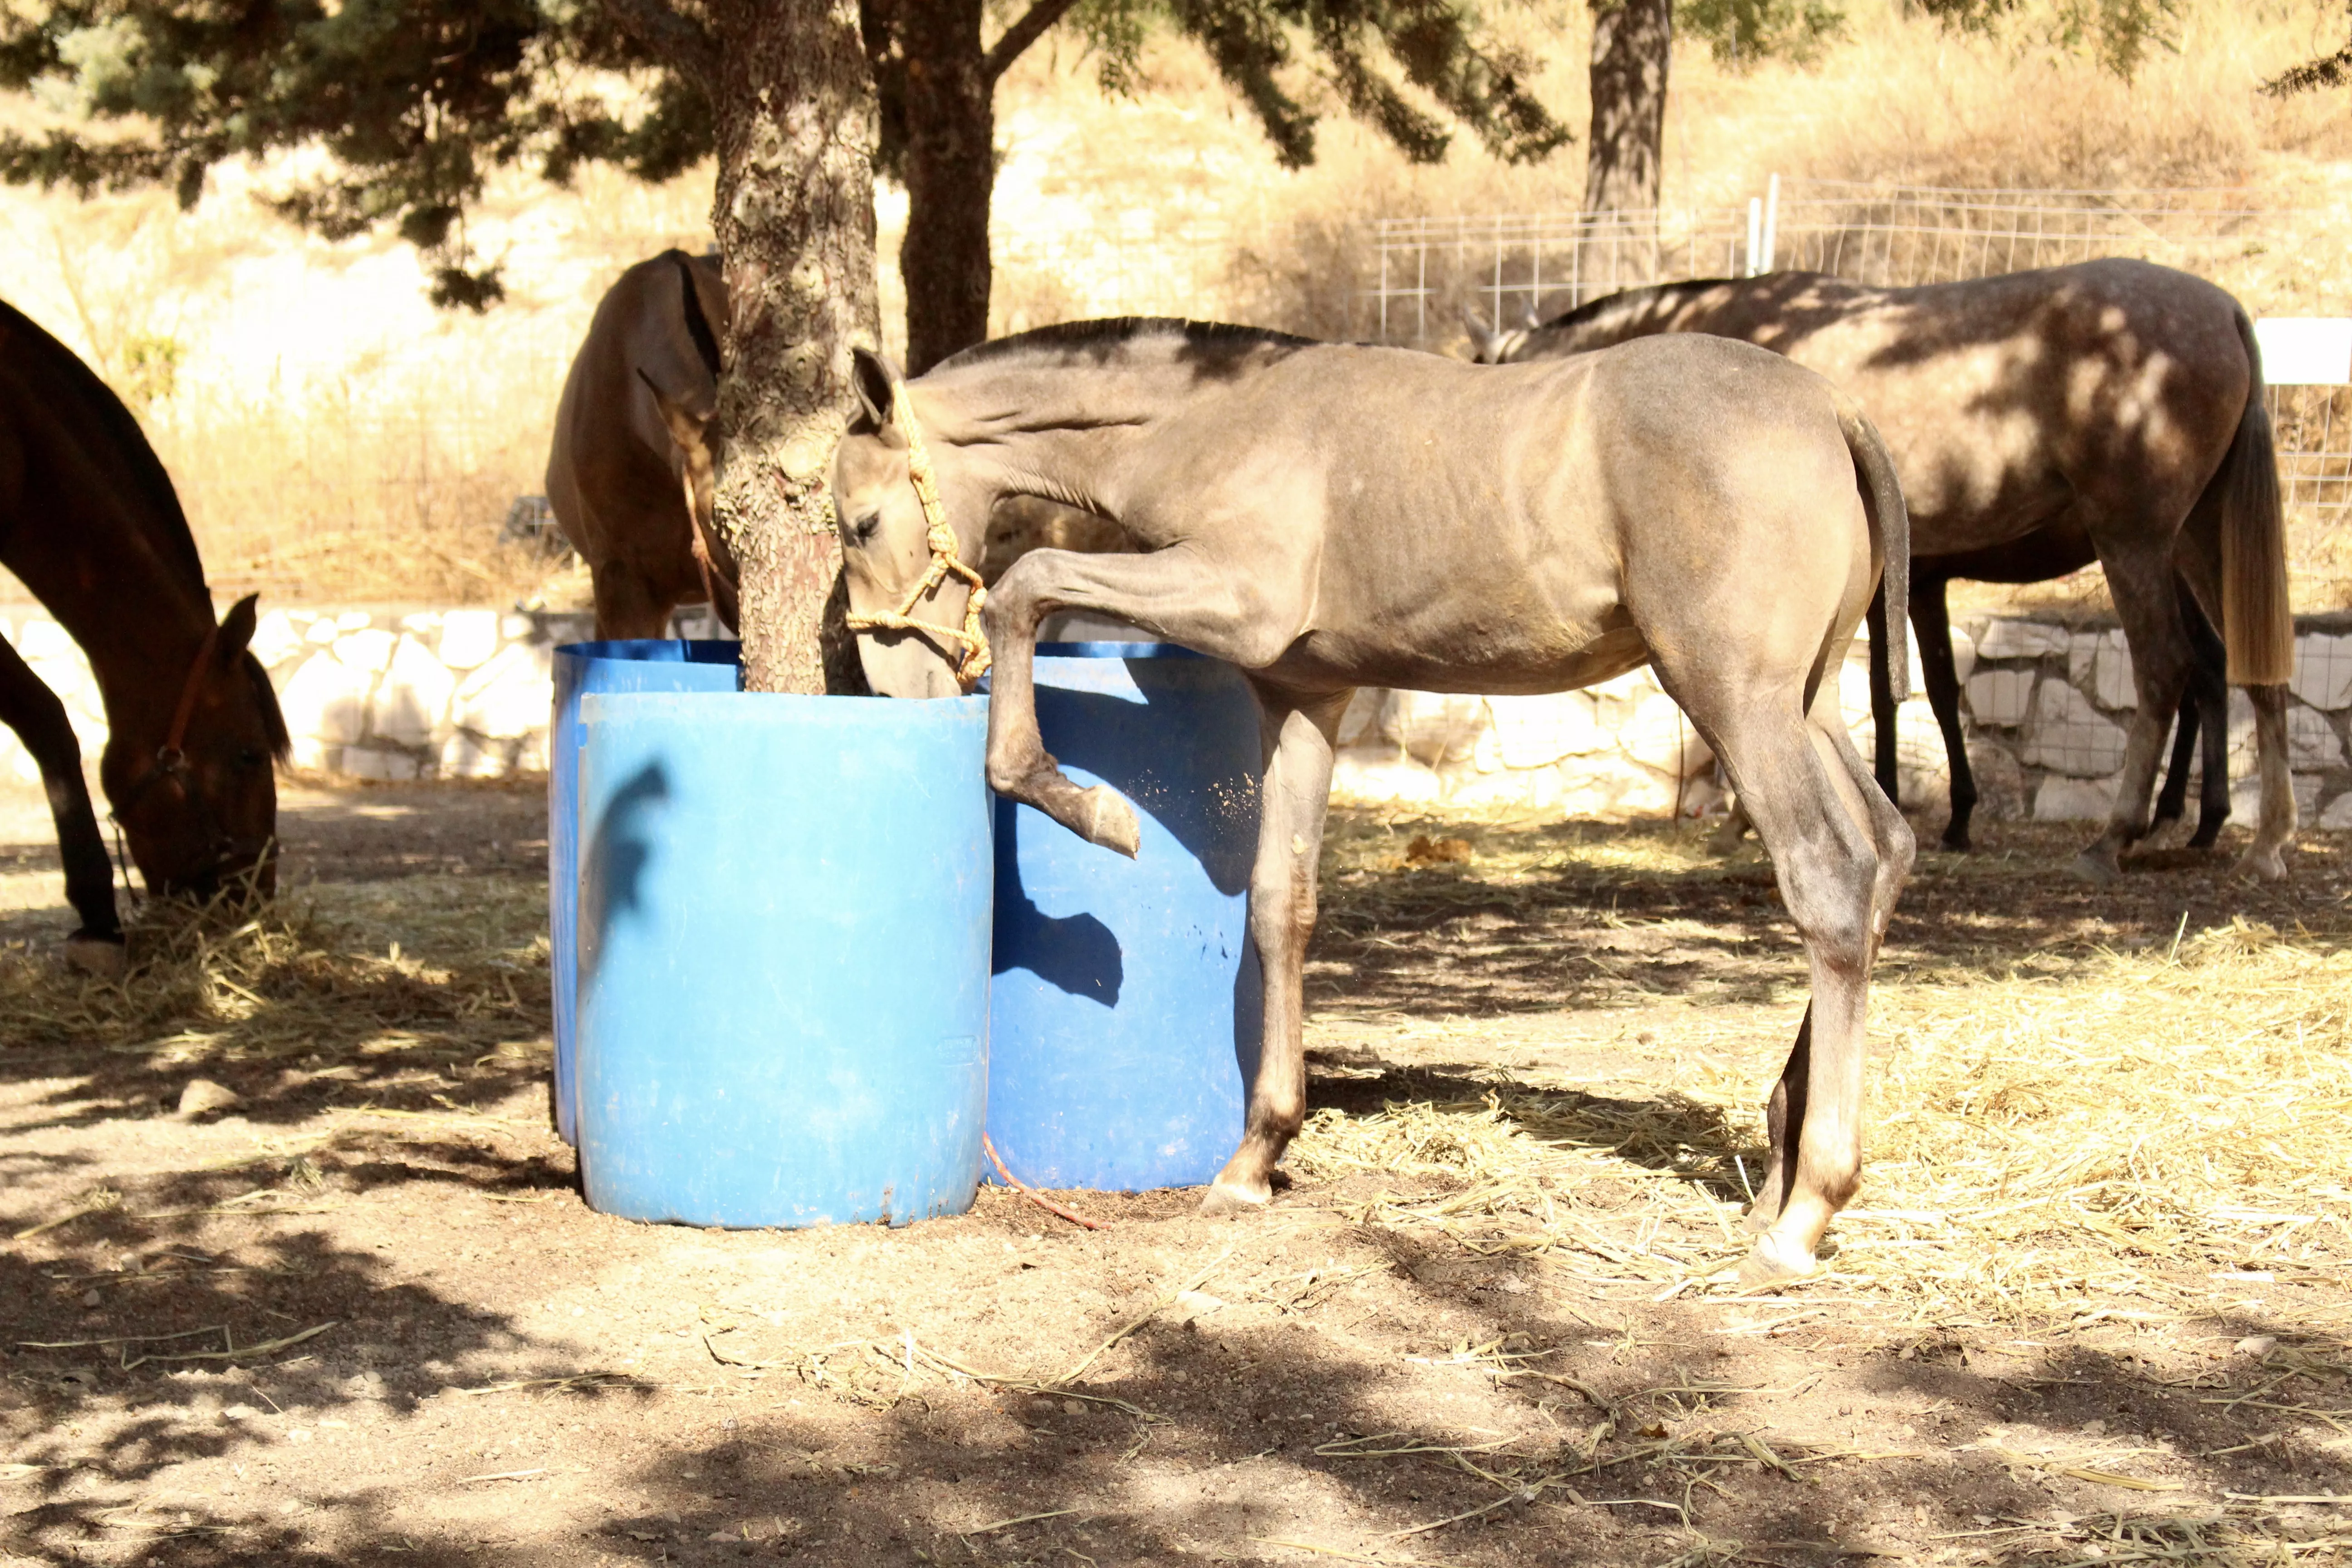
[1773, 1261]
[2098, 864]
[2261, 864]
[1110, 821]
[1226, 1201]
[102, 957]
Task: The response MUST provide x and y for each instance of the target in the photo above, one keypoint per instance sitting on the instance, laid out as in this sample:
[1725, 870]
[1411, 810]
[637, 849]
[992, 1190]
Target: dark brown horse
[631, 448]
[2109, 410]
[88, 521]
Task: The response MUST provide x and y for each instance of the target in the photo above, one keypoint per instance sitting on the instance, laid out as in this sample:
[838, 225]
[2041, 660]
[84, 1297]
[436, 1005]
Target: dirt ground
[362, 1315]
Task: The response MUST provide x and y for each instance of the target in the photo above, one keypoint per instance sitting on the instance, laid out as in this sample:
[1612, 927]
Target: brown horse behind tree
[89, 523]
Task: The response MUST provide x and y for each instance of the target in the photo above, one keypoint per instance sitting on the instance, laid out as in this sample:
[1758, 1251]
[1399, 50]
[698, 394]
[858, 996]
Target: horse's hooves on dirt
[1757, 1220]
[1111, 821]
[1769, 1263]
[1222, 1201]
[2096, 865]
[2262, 865]
[105, 958]
[1960, 846]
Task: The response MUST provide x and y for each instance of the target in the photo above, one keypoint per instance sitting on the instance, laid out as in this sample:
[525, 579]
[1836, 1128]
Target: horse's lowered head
[192, 785]
[1497, 344]
[908, 602]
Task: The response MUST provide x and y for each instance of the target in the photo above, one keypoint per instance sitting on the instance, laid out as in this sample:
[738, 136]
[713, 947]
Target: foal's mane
[1117, 331]
[1594, 309]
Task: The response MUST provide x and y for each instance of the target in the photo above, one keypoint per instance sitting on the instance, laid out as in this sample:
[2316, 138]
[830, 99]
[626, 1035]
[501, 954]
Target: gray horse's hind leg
[2146, 603]
[1300, 740]
[2276, 824]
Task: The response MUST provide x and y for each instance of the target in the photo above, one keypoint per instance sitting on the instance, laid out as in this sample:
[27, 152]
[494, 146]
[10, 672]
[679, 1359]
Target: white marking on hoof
[96, 956]
[1773, 1260]
[1111, 822]
[1223, 1201]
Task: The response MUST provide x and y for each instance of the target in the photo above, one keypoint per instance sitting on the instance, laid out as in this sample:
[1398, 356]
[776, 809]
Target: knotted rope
[945, 560]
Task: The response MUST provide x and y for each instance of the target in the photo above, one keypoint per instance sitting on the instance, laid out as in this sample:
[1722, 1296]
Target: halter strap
[945, 560]
[171, 761]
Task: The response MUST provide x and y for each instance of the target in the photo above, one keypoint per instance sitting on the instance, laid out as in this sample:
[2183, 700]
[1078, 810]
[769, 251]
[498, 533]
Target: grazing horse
[629, 472]
[88, 521]
[2109, 410]
[1326, 517]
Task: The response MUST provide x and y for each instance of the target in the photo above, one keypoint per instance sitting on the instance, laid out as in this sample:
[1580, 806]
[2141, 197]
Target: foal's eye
[862, 529]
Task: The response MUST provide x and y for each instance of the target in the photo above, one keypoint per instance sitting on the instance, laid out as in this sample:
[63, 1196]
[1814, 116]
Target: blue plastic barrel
[645, 665]
[1124, 1011]
[783, 957]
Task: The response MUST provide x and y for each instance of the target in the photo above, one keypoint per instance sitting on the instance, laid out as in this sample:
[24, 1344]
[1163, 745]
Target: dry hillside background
[337, 440]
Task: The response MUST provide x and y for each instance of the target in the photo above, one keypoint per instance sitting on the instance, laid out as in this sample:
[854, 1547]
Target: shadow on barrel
[620, 852]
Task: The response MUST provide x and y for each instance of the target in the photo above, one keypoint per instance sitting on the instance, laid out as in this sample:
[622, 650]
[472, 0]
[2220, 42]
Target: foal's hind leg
[1841, 853]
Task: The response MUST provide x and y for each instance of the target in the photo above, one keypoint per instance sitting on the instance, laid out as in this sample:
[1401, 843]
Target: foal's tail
[2257, 626]
[1890, 521]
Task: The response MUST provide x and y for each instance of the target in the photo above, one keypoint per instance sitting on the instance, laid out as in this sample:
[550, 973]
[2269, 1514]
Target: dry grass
[433, 967]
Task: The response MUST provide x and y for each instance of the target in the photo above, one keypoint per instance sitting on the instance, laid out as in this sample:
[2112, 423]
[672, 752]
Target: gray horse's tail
[2257, 626]
[1890, 519]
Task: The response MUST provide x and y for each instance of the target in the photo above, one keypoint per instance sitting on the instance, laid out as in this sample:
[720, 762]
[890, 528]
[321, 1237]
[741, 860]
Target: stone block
[2000, 780]
[1535, 732]
[1508, 789]
[1657, 736]
[366, 650]
[1379, 775]
[2311, 738]
[380, 764]
[2069, 736]
[325, 704]
[2082, 651]
[1361, 720]
[2000, 696]
[464, 756]
[421, 623]
[353, 620]
[322, 631]
[509, 698]
[2007, 639]
[1853, 691]
[2111, 674]
[1609, 787]
[413, 698]
[40, 638]
[1435, 728]
[2073, 800]
[2246, 799]
[2338, 813]
[277, 640]
[517, 628]
[2322, 670]
[1964, 657]
[468, 639]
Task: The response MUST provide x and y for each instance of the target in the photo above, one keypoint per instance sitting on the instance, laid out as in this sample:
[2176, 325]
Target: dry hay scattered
[434, 966]
[2160, 1128]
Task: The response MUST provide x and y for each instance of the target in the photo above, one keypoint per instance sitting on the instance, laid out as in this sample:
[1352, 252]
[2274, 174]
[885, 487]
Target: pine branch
[1032, 26]
[675, 40]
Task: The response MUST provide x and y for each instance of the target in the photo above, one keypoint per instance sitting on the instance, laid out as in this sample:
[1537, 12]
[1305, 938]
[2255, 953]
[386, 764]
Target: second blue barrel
[646, 664]
[1124, 1010]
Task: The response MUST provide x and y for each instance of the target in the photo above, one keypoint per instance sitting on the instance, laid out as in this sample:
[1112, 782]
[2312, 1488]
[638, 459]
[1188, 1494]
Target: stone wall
[396, 693]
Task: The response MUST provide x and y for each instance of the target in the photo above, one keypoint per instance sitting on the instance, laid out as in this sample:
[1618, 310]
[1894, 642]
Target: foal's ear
[236, 631]
[878, 387]
[1486, 342]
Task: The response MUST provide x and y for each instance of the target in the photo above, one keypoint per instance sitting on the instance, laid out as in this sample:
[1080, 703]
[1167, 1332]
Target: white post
[1755, 234]
[1772, 220]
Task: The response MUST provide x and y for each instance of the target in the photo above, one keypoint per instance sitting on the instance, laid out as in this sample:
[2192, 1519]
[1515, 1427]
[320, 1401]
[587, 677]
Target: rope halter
[945, 560]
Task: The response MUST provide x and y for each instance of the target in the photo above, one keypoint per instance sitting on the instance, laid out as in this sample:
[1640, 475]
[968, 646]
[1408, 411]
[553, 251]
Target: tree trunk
[794, 217]
[1632, 45]
[950, 169]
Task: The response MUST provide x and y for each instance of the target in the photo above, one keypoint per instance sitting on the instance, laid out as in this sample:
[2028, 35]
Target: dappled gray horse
[1328, 516]
[629, 471]
[2113, 407]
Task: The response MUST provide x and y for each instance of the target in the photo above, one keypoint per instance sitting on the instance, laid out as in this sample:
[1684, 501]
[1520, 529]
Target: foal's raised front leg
[1300, 738]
